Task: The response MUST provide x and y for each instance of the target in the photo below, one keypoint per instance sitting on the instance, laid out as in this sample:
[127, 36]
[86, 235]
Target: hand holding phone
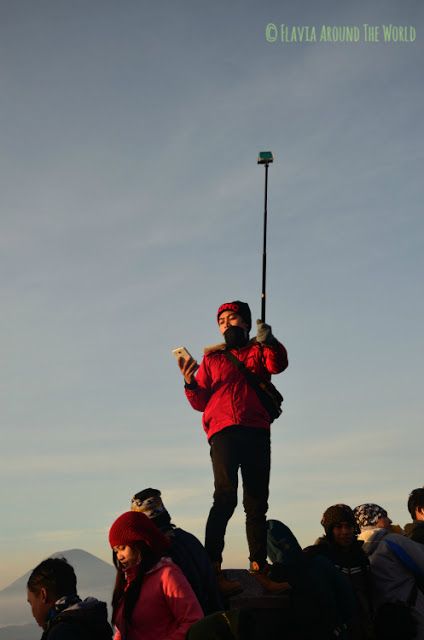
[187, 364]
[181, 352]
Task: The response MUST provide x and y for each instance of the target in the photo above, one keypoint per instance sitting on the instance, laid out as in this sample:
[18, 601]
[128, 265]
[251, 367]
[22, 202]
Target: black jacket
[354, 565]
[190, 555]
[83, 620]
[415, 530]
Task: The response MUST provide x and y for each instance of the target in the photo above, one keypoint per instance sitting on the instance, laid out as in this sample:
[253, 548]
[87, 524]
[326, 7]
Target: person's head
[339, 525]
[50, 580]
[133, 538]
[150, 503]
[234, 322]
[371, 515]
[416, 504]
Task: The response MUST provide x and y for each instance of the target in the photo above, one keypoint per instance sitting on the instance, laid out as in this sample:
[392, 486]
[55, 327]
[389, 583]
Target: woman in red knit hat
[152, 599]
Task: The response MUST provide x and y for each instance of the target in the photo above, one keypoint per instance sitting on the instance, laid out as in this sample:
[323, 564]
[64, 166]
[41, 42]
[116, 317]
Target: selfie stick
[266, 158]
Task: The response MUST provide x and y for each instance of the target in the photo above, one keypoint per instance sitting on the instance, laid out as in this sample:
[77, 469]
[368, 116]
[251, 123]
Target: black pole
[263, 296]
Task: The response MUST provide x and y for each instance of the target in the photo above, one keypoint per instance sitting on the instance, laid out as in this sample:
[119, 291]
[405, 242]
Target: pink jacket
[222, 391]
[166, 607]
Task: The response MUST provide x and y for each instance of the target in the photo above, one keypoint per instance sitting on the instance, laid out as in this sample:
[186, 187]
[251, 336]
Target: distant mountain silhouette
[21, 632]
[94, 578]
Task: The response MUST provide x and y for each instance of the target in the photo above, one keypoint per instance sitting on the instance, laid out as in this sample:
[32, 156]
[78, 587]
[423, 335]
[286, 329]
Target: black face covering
[236, 337]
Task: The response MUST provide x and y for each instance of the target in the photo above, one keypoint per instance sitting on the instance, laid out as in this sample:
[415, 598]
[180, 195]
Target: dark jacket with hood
[321, 600]
[354, 565]
[415, 530]
[190, 555]
[76, 619]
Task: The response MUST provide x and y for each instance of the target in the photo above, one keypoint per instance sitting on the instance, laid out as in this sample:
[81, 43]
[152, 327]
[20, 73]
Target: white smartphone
[181, 352]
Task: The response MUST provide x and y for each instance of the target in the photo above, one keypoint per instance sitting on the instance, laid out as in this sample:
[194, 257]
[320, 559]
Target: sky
[132, 206]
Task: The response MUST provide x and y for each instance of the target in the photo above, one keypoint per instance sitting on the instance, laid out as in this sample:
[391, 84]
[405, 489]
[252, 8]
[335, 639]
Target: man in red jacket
[237, 426]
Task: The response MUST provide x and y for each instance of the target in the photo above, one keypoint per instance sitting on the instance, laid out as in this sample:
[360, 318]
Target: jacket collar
[221, 346]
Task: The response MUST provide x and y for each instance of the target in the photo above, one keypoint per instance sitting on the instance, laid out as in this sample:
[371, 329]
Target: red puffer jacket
[222, 391]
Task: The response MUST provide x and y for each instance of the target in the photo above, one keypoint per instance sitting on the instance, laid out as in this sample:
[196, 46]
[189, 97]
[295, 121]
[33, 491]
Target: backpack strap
[252, 378]
[268, 395]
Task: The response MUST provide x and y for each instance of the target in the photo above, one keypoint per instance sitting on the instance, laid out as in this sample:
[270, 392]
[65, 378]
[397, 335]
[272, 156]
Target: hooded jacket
[223, 393]
[82, 620]
[166, 606]
[394, 580]
[190, 555]
[322, 602]
[415, 530]
[354, 565]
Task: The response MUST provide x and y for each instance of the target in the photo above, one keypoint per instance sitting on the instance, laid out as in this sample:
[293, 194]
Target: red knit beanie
[134, 526]
[242, 308]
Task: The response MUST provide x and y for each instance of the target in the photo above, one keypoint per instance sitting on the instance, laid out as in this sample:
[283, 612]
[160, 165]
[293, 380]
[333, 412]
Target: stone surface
[269, 615]
[253, 594]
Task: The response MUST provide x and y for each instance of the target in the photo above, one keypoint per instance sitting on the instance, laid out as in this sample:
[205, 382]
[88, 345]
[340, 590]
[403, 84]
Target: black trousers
[247, 449]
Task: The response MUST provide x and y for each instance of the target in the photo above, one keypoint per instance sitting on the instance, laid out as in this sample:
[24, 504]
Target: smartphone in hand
[181, 352]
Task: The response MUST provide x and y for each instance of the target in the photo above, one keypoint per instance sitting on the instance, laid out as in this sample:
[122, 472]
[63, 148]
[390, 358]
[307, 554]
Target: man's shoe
[261, 574]
[226, 587]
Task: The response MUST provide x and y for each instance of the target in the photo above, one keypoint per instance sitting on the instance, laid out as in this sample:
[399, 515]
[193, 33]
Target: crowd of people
[362, 580]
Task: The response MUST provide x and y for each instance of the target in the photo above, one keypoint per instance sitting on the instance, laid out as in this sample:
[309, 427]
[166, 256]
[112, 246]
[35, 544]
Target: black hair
[415, 501]
[130, 596]
[56, 575]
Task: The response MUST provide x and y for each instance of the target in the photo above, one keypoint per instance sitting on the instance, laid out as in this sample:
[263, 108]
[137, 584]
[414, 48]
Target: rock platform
[268, 613]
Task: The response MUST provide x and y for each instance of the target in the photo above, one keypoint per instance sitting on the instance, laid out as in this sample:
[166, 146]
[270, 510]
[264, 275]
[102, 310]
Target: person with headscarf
[373, 523]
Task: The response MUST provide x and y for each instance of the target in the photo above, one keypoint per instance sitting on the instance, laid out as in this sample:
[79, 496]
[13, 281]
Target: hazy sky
[131, 208]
